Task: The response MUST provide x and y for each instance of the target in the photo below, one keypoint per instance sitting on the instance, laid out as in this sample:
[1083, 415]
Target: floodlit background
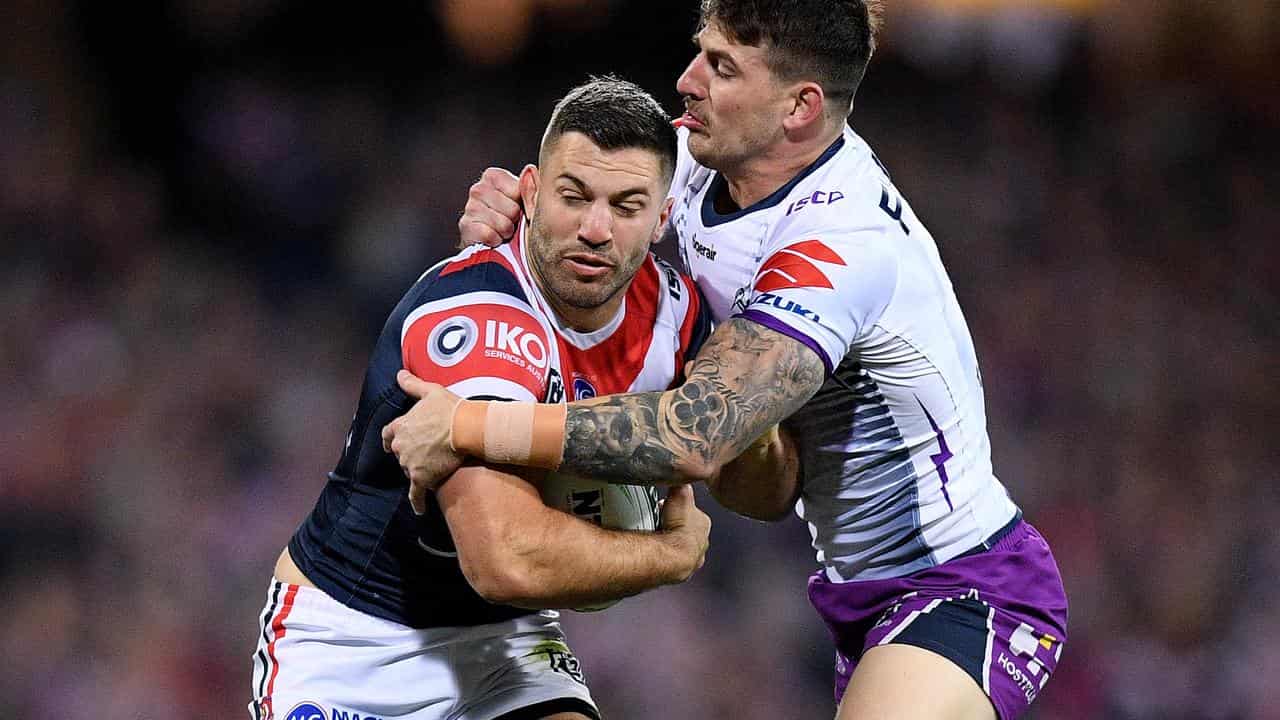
[207, 209]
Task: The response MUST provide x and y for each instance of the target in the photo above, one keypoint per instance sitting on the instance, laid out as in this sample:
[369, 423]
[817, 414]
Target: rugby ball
[614, 507]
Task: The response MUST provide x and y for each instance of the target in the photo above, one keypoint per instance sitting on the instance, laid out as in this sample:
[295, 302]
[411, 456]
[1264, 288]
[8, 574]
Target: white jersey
[894, 447]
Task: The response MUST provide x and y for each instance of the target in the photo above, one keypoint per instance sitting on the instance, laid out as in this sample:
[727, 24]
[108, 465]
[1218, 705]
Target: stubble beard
[559, 286]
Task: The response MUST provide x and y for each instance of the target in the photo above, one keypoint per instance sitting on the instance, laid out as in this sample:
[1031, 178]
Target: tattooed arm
[745, 380]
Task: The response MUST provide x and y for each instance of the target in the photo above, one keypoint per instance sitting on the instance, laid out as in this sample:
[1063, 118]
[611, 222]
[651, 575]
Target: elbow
[502, 582]
[695, 470]
[501, 567]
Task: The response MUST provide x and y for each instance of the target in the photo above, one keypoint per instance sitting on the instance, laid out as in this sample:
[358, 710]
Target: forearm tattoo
[746, 379]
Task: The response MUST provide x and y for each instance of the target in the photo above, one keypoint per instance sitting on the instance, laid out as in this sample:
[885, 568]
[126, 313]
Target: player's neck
[760, 176]
[583, 320]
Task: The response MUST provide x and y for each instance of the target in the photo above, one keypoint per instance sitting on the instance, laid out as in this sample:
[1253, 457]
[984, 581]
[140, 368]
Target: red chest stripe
[613, 364]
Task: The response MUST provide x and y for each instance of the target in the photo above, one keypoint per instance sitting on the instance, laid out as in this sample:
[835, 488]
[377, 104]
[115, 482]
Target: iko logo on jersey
[514, 344]
[452, 340]
[793, 267]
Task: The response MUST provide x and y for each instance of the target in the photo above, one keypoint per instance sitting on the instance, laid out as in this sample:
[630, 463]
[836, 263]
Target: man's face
[595, 214]
[734, 104]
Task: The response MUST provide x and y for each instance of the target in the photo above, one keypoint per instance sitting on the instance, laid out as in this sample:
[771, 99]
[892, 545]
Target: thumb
[412, 384]
[680, 494]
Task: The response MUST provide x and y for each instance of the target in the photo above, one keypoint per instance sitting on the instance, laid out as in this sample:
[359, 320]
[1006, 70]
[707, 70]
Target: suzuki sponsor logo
[514, 344]
[451, 341]
[790, 306]
[793, 267]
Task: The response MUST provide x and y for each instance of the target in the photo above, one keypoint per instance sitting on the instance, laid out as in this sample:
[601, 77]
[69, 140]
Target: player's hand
[420, 438]
[492, 209]
[687, 526]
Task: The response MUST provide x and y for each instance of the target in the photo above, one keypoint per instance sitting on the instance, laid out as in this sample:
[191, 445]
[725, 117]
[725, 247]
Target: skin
[593, 220]
[758, 131]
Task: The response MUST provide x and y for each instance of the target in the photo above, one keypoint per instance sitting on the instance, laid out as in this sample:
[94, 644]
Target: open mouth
[689, 120]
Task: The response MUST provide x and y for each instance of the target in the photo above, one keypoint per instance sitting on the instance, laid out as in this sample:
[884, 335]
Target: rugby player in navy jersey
[380, 612]
[836, 316]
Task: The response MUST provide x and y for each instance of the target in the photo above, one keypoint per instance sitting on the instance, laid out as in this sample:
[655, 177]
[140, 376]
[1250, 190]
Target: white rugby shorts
[318, 659]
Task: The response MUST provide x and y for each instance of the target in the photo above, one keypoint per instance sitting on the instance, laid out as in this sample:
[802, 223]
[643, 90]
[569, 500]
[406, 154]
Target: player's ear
[529, 189]
[663, 217]
[808, 102]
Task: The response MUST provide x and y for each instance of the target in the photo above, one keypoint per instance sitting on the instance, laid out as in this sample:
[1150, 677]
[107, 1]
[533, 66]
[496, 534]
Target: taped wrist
[510, 433]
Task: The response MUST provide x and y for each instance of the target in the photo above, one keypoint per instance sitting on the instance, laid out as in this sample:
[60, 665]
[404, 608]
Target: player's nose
[596, 227]
[691, 82]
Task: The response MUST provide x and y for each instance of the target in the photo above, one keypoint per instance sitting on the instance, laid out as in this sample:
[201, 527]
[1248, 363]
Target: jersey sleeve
[473, 332]
[824, 289]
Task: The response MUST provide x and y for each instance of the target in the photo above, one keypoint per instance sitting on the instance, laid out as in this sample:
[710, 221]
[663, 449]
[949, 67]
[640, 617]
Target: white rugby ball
[614, 507]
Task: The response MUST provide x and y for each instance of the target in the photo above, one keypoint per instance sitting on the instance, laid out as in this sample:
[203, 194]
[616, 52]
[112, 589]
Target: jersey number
[894, 212]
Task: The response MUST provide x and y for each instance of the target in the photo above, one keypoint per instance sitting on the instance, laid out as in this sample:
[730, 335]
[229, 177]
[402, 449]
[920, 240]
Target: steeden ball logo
[305, 711]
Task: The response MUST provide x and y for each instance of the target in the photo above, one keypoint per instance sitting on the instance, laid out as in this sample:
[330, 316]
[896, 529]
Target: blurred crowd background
[207, 209]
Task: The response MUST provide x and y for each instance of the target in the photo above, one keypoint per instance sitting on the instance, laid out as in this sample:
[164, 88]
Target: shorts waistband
[833, 575]
[994, 538]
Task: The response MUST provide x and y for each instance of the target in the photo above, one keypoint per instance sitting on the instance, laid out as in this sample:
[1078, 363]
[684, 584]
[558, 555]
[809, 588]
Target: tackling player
[837, 315]
[382, 613]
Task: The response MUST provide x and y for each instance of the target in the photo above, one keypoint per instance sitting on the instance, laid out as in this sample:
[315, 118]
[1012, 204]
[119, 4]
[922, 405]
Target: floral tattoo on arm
[746, 379]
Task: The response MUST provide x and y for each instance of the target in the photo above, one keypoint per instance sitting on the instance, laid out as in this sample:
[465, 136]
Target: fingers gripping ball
[613, 507]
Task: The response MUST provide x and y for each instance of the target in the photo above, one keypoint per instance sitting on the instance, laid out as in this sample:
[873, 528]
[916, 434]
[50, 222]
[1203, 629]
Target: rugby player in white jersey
[377, 613]
[838, 320]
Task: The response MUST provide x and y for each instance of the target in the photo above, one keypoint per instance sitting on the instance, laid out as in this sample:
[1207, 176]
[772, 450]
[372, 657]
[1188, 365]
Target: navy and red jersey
[477, 324]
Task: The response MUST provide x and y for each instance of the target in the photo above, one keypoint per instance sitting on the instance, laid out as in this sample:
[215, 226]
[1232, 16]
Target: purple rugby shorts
[999, 613]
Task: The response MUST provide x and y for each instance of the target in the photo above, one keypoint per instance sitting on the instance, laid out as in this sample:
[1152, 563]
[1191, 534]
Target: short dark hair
[614, 114]
[828, 41]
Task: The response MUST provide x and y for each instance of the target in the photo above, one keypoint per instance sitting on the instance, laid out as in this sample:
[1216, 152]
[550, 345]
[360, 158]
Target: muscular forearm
[575, 563]
[763, 482]
[746, 379]
[515, 550]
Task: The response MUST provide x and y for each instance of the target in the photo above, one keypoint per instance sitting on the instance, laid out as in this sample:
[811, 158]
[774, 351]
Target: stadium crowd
[207, 211]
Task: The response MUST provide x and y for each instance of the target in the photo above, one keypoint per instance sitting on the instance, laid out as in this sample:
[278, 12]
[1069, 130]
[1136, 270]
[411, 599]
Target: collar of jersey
[709, 215]
[580, 340]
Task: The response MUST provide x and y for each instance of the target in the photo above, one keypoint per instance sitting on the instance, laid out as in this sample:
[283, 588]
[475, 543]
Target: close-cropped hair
[615, 114]
[827, 41]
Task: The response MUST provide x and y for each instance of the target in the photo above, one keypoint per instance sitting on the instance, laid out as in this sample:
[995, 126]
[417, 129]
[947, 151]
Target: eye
[571, 198]
[719, 69]
[628, 209]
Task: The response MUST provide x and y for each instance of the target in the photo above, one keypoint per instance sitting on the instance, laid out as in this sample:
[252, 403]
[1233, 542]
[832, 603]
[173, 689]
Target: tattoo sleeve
[746, 379]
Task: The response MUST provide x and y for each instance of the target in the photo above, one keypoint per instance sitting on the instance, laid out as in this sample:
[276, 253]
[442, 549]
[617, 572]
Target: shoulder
[470, 317]
[851, 193]
[474, 270]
